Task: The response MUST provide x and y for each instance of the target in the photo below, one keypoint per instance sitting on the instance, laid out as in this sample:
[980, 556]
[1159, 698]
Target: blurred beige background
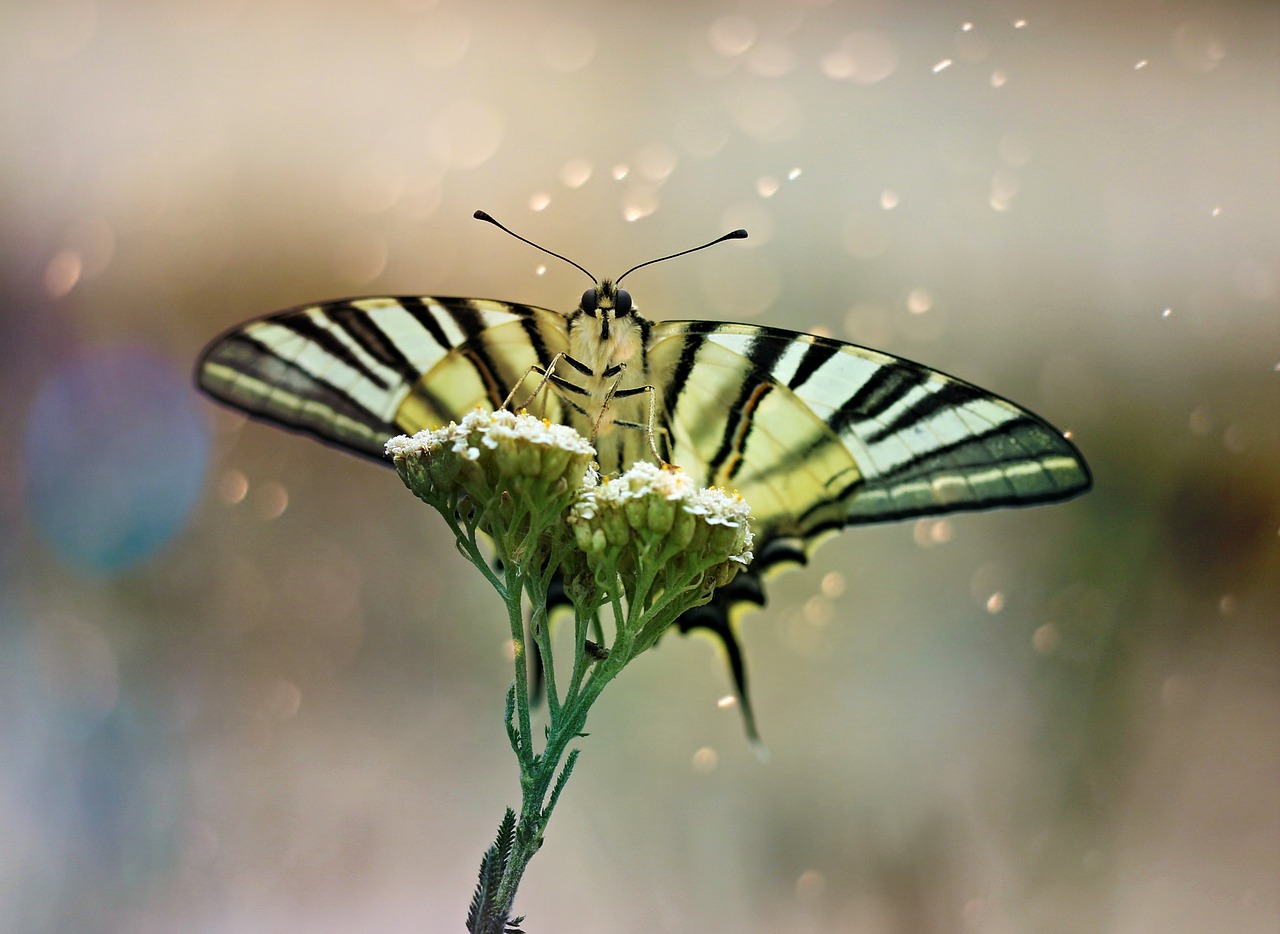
[246, 682]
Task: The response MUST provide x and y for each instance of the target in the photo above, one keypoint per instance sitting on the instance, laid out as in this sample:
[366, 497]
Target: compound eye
[589, 301]
[622, 304]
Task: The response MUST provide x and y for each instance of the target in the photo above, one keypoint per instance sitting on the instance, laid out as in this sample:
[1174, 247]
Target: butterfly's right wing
[359, 371]
[817, 434]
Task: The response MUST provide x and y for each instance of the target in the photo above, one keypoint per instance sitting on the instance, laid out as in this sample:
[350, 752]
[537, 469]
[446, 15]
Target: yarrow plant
[639, 549]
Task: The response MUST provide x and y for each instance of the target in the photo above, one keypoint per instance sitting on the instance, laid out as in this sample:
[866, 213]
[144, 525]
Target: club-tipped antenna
[485, 216]
[738, 234]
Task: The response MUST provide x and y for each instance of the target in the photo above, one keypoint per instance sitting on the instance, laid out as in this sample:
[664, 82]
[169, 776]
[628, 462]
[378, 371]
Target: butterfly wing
[359, 371]
[817, 434]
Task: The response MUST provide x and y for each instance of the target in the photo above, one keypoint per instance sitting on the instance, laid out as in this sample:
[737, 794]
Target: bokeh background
[246, 683]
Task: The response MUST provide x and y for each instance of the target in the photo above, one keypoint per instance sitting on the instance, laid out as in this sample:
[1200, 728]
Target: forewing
[817, 434]
[359, 371]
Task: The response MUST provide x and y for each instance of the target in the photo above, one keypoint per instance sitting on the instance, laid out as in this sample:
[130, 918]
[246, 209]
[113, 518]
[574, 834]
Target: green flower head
[658, 520]
[511, 476]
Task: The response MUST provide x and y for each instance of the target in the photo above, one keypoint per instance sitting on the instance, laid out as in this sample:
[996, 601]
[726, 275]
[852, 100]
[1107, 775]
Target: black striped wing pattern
[816, 434]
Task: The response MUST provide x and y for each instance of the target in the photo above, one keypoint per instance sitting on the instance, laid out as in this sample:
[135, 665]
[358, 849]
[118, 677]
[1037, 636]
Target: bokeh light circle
[115, 453]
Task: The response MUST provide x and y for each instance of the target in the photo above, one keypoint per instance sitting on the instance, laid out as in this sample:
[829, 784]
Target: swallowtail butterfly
[815, 433]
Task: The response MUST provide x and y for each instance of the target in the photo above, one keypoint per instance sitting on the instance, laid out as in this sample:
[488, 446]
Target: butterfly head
[607, 304]
[606, 328]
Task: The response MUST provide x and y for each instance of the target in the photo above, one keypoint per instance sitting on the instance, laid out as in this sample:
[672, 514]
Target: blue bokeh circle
[115, 452]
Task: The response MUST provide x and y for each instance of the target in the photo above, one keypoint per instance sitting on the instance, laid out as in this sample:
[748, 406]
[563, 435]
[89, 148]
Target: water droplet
[270, 500]
[988, 580]
[998, 78]
[93, 239]
[942, 65]
[1175, 691]
[656, 162]
[765, 112]
[1166, 313]
[539, 201]
[793, 174]
[1138, 66]
[864, 56]
[732, 35]
[467, 133]
[767, 186]
[888, 199]
[639, 205]
[233, 485]
[1004, 185]
[727, 701]
[283, 699]
[817, 611]
[995, 603]
[1197, 48]
[810, 885]
[62, 273]
[1046, 639]
[919, 301]
[868, 323]
[705, 760]
[575, 173]
[1201, 421]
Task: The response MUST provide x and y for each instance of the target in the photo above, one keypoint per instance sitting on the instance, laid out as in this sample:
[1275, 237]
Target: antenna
[485, 216]
[738, 234]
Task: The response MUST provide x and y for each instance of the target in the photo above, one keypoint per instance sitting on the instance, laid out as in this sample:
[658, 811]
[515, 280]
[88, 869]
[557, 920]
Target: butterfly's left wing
[817, 434]
[359, 371]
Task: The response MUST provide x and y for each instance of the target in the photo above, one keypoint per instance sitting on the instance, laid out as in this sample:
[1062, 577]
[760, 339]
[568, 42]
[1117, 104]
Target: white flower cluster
[644, 499]
[493, 428]
[532, 485]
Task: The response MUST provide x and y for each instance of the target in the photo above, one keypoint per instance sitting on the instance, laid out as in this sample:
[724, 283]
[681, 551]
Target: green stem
[567, 721]
[516, 618]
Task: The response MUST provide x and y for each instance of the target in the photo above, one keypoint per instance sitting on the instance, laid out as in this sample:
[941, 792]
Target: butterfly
[816, 434]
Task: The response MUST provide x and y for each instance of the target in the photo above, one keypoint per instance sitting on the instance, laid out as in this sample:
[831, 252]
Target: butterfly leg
[649, 429]
[545, 373]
